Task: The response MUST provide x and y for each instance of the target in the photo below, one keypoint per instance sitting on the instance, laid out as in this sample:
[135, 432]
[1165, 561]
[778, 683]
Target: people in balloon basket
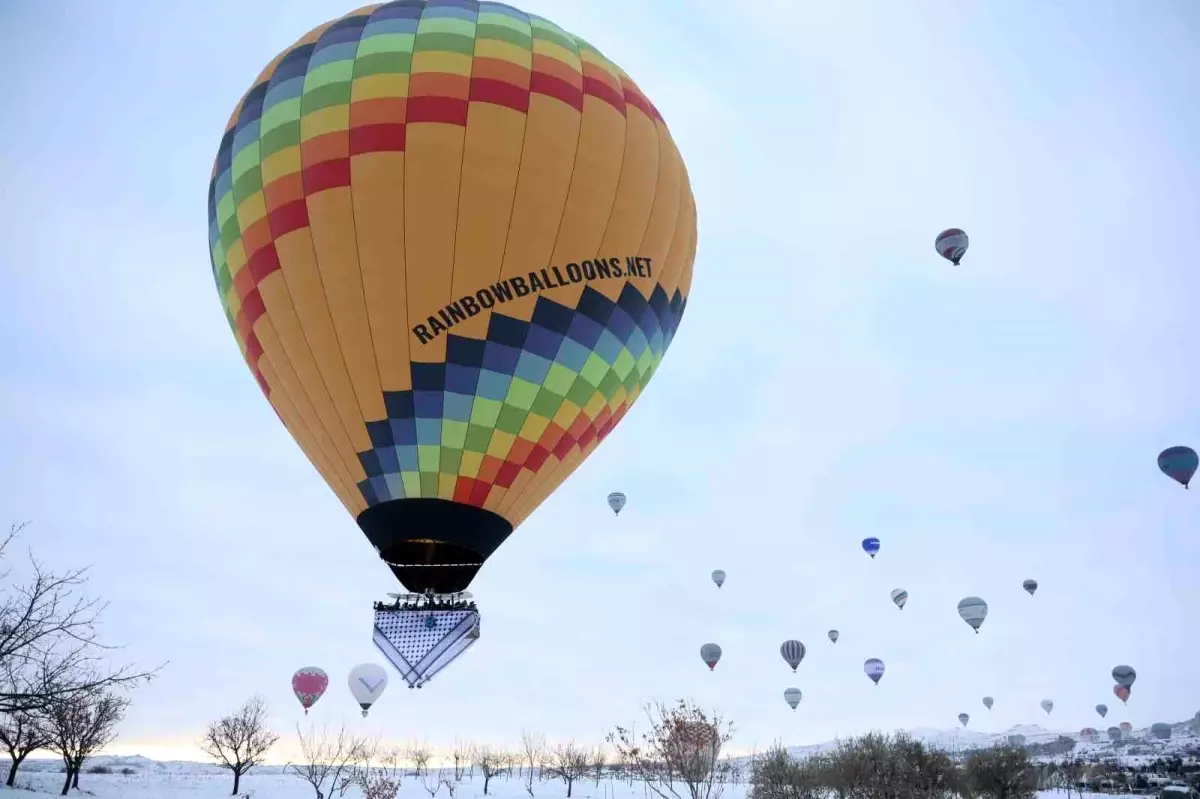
[429, 603]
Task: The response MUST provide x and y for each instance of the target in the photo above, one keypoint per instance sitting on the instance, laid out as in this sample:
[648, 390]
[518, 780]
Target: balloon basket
[422, 636]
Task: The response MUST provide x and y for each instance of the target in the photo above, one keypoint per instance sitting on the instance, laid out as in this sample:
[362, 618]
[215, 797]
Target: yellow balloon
[454, 242]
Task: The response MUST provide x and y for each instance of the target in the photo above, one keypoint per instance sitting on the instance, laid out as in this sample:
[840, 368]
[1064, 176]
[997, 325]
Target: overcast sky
[832, 379]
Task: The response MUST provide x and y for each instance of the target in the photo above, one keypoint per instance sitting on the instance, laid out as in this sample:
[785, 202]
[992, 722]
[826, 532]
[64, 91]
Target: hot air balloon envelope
[1122, 692]
[870, 546]
[308, 684]
[1160, 730]
[1126, 727]
[718, 577]
[1124, 675]
[710, 654]
[987, 702]
[1102, 710]
[963, 718]
[1030, 586]
[951, 244]
[1114, 734]
[900, 597]
[873, 668]
[1047, 705]
[367, 683]
[973, 611]
[1179, 463]
[616, 501]
[792, 652]
[792, 697]
[833, 635]
[448, 297]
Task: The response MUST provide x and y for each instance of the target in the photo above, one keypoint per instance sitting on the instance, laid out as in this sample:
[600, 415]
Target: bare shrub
[1002, 772]
[778, 775]
[683, 745]
[240, 740]
[377, 773]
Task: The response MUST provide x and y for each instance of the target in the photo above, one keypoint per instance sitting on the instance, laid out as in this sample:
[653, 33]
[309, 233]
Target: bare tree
[462, 756]
[683, 745]
[22, 733]
[568, 763]
[432, 783]
[377, 774]
[327, 759]
[419, 755]
[1002, 772]
[599, 761]
[533, 744]
[79, 724]
[490, 764]
[49, 643]
[240, 740]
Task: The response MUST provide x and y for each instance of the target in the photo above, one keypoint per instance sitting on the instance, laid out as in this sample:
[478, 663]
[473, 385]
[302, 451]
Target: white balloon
[367, 683]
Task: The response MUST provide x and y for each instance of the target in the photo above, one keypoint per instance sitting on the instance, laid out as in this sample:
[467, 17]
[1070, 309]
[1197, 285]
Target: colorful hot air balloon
[718, 577]
[973, 611]
[308, 684]
[710, 654]
[963, 718]
[1122, 692]
[900, 597]
[367, 683]
[1088, 734]
[1124, 675]
[951, 244]
[833, 635]
[1030, 586]
[1179, 463]
[1126, 727]
[1102, 710]
[792, 697]
[988, 702]
[1161, 730]
[871, 546]
[616, 501]
[873, 668]
[793, 652]
[1047, 705]
[453, 242]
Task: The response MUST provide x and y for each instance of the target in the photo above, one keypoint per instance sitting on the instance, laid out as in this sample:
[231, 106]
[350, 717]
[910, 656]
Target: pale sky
[832, 379]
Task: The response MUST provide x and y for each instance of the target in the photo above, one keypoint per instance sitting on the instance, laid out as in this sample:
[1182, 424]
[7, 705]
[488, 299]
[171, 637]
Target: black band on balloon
[433, 545]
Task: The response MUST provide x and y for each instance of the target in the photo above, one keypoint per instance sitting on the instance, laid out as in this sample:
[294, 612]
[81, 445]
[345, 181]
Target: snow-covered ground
[174, 785]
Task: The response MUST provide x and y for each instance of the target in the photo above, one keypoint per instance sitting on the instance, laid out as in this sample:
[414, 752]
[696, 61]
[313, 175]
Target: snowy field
[279, 786]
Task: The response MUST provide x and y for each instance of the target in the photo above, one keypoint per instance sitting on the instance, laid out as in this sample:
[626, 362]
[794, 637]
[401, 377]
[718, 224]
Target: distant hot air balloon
[1179, 463]
[1088, 734]
[793, 652]
[951, 244]
[871, 546]
[833, 635]
[1122, 692]
[1047, 705]
[367, 683]
[1114, 734]
[873, 668]
[900, 597]
[710, 654]
[792, 697]
[973, 611]
[963, 718]
[1102, 710]
[1124, 675]
[449, 297]
[718, 577]
[616, 501]
[1160, 731]
[308, 684]
[1016, 740]
[1126, 727]
[987, 702]
[1030, 586]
